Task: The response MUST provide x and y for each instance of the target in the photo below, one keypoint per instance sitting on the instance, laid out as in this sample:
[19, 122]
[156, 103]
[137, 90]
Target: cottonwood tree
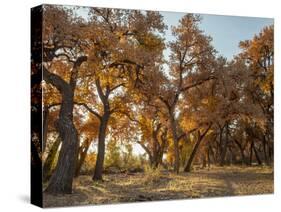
[63, 41]
[190, 65]
[258, 54]
[219, 103]
[196, 120]
[151, 130]
[123, 50]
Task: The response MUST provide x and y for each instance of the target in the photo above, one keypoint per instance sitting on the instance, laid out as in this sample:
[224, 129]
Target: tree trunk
[257, 154]
[208, 157]
[224, 145]
[47, 169]
[270, 152]
[251, 154]
[61, 180]
[82, 155]
[265, 150]
[162, 147]
[101, 147]
[232, 156]
[204, 162]
[243, 161]
[187, 167]
[176, 144]
[211, 151]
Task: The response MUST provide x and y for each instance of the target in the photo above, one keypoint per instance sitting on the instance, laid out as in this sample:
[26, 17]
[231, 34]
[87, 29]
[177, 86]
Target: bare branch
[117, 86]
[89, 109]
[198, 83]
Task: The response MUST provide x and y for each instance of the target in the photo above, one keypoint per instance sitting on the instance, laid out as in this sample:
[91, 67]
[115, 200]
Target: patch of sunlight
[100, 189]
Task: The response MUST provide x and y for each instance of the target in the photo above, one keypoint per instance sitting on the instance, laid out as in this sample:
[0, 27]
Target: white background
[15, 116]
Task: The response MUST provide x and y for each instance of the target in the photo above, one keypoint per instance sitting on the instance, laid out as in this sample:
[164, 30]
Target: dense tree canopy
[107, 90]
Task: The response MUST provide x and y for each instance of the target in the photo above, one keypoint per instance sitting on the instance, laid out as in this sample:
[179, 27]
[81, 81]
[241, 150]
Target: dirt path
[216, 182]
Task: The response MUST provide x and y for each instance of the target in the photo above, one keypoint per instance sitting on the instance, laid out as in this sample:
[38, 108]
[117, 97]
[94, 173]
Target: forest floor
[164, 185]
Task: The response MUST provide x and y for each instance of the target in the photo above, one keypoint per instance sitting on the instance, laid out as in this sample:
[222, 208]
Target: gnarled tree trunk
[62, 178]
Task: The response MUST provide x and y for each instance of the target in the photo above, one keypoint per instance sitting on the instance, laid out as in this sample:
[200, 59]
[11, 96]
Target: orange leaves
[140, 90]
[61, 68]
[188, 123]
[259, 50]
[50, 95]
[89, 127]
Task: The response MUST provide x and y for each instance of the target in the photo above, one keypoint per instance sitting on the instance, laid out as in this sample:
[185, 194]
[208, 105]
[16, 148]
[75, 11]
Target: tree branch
[129, 117]
[197, 83]
[117, 86]
[165, 102]
[52, 105]
[145, 148]
[186, 133]
[55, 80]
[89, 109]
[124, 62]
[205, 132]
[100, 92]
[65, 55]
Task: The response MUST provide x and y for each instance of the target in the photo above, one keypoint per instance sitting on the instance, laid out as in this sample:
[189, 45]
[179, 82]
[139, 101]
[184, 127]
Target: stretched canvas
[131, 105]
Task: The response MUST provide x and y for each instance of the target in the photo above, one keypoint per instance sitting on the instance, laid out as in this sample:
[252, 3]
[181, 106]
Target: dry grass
[163, 185]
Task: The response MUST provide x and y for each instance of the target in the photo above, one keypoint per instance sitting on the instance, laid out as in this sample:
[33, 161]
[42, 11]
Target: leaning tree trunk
[150, 158]
[187, 167]
[101, 147]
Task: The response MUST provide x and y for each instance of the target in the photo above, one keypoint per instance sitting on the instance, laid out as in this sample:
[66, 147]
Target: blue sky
[226, 31]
